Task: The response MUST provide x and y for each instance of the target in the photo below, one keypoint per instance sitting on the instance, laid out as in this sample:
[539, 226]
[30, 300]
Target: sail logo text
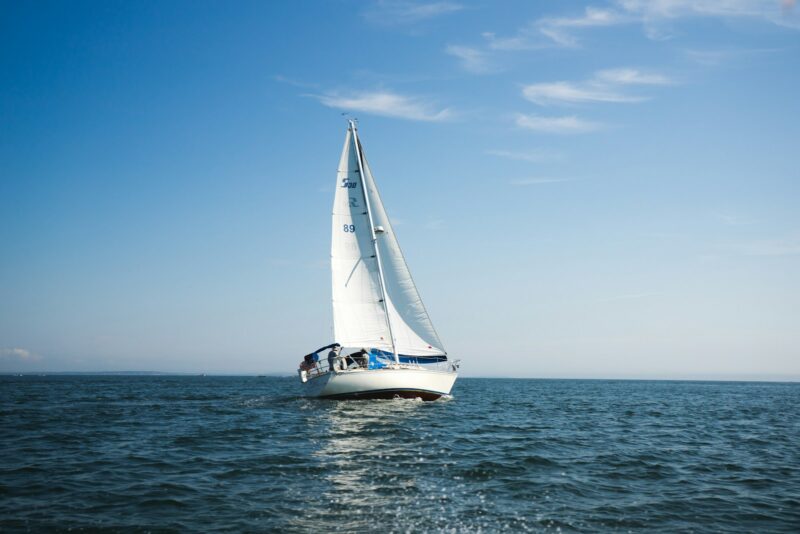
[347, 183]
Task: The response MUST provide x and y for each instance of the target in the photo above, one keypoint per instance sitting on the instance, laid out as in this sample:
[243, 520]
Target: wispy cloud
[17, 355]
[535, 155]
[655, 16]
[526, 38]
[604, 86]
[537, 181]
[566, 92]
[472, 59]
[386, 104]
[559, 29]
[388, 12]
[548, 32]
[782, 13]
[561, 125]
[629, 76]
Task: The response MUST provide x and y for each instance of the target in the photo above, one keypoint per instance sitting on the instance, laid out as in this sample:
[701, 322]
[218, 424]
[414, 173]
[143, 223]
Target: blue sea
[181, 453]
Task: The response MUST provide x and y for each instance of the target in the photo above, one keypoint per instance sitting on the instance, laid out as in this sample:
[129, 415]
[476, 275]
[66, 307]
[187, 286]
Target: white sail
[412, 328]
[359, 317]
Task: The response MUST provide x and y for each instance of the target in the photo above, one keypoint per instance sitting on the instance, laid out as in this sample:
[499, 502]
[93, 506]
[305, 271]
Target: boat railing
[317, 369]
[322, 368]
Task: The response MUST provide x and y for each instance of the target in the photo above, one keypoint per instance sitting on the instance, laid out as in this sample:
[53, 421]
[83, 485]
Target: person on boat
[333, 358]
[361, 358]
[354, 358]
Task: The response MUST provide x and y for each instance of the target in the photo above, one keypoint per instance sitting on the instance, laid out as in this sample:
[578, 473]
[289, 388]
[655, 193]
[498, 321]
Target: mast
[373, 237]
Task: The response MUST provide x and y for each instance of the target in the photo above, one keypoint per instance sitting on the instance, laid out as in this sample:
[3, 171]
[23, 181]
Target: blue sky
[603, 189]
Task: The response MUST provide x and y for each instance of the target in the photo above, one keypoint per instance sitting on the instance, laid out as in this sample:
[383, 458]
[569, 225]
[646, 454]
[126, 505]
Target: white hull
[384, 383]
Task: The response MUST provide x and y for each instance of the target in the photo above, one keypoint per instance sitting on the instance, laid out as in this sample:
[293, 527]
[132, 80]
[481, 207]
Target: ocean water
[247, 454]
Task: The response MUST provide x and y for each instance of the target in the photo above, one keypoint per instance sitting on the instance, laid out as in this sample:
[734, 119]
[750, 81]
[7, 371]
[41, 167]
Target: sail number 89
[349, 228]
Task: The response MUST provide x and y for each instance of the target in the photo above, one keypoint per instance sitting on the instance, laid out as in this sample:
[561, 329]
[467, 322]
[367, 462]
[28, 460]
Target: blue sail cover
[378, 361]
[381, 358]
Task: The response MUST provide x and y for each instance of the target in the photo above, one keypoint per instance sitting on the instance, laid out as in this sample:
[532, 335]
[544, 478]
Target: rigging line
[353, 271]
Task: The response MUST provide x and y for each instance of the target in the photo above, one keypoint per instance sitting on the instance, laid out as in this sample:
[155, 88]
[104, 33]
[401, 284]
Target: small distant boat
[377, 309]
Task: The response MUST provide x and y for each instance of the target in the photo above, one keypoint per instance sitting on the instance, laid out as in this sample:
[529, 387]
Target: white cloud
[405, 12]
[524, 40]
[554, 31]
[561, 125]
[557, 29]
[16, 354]
[779, 12]
[604, 86]
[538, 181]
[592, 16]
[472, 59]
[557, 92]
[652, 14]
[386, 104]
[627, 76]
[536, 155]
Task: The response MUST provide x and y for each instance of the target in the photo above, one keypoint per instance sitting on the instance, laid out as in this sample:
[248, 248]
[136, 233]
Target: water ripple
[248, 454]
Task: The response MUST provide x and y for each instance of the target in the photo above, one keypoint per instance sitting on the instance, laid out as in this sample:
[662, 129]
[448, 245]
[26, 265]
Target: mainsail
[359, 317]
[371, 280]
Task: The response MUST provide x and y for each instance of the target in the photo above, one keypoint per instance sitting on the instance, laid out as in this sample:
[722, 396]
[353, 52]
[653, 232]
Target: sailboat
[377, 309]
